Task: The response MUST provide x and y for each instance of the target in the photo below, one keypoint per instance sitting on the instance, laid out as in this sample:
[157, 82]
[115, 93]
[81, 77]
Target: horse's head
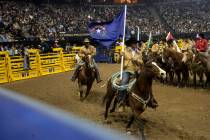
[88, 59]
[154, 70]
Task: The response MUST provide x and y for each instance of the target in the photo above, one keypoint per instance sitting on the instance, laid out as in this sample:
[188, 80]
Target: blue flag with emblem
[106, 33]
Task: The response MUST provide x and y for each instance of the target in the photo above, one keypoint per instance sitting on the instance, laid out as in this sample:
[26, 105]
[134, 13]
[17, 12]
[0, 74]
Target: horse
[180, 68]
[86, 76]
[198, 67]
[140, 94]
[168, 66]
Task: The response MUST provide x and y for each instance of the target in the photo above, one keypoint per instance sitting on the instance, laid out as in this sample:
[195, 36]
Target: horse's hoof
[82, 99]
[112, 110]
[128, 132]
[107, 121]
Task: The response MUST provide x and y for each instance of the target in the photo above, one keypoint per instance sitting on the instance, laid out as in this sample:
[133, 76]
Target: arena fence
[3, 67]
[12, 68]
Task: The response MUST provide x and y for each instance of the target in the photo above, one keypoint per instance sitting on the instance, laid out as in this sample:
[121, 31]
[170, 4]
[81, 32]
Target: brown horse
[168, 66]
[181, 69]
[140, 94]
[86, 76]
[200, 66]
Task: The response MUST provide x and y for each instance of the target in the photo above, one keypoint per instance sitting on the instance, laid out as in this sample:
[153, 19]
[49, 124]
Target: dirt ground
[183, 112]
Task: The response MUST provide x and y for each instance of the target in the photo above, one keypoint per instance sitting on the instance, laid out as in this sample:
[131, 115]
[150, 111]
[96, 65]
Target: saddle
[82, 67]
[116, 81]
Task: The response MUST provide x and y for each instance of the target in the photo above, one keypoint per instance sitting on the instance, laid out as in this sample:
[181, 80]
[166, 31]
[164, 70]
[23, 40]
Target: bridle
[140, 99]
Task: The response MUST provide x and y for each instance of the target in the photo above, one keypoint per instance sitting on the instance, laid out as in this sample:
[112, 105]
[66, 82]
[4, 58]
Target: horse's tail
[109, 86]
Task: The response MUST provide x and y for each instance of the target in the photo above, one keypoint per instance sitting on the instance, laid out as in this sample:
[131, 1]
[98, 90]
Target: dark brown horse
[200, 66]
[139, 96]
[181, 69]
[86, 76]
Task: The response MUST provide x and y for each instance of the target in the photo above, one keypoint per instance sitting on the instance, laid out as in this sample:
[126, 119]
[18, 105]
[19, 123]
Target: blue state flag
[106, 33]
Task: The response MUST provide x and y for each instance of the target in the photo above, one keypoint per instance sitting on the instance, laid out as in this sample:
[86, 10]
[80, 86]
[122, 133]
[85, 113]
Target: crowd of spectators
[186, 17]
[20, 19]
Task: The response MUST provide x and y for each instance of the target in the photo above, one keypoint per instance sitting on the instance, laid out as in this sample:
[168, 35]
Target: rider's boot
[76, 73]
[98, 77]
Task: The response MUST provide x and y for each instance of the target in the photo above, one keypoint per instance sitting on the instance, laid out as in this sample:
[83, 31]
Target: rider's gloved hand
[122, 53]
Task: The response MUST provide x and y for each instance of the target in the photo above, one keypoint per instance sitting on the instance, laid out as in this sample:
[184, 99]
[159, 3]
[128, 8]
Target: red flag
[169, 36]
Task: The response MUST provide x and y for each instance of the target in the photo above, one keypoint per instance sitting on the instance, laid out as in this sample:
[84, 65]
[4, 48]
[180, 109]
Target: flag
[149, 43]
[106, 33]
[169, 36]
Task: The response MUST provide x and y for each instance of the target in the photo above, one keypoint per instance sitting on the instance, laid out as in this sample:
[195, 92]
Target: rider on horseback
[85, 50]
[132, 62]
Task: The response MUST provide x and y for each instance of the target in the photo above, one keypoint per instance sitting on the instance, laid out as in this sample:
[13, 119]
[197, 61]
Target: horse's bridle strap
[138, 98]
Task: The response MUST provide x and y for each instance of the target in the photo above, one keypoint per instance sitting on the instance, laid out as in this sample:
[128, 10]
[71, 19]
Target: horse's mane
[144, 80]
[174, 54]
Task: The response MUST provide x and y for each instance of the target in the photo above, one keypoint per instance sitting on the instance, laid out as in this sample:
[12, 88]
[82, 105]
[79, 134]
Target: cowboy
[87, 49]
[184, 50]
[201, 44]
[155, 49]
[132, 62]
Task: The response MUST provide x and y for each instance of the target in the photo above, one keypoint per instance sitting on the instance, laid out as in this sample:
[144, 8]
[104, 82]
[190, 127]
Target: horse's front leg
[194, 80]
[201, 80]
[80, 90]
[171, 77]
[89, 86]
[178, 79]
[130, 122]
[108, 103]
[114, 105]
[141, 128]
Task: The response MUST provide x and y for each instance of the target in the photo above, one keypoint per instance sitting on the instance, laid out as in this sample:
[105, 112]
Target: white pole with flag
[138, 37]
[170, 36]
[123, 47]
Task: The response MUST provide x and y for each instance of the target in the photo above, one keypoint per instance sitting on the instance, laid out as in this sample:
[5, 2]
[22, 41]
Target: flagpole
[138, 36]
[123, 47]
[149, 42]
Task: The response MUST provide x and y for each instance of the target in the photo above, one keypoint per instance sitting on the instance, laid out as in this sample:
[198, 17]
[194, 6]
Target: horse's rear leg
[114, 105]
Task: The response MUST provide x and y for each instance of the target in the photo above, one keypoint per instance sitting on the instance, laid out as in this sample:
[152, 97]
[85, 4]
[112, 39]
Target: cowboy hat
[155, 48]
[131, 41]
[86, 40]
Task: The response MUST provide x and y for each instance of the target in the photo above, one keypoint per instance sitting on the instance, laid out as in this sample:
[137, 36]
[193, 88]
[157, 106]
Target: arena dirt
[183, 112]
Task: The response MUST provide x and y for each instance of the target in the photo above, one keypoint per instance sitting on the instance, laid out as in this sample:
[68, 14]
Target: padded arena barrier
[16, 70]
[69, 61]
[51, 63]
[3, 67]
[25, 119]
[12, 67]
